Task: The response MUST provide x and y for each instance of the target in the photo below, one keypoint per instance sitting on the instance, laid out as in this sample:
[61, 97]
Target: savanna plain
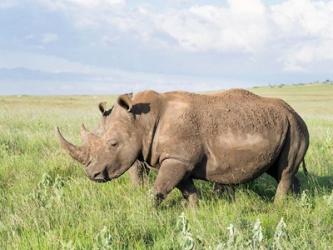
[47, 202]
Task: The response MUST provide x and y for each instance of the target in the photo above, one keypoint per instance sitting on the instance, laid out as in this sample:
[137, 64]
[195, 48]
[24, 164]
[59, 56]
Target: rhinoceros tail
[306, 172]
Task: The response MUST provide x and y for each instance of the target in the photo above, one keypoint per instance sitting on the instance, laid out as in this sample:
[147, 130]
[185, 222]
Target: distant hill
[19, 74]
[329, 82]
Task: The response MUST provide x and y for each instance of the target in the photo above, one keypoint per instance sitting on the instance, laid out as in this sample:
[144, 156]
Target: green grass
[47, 202]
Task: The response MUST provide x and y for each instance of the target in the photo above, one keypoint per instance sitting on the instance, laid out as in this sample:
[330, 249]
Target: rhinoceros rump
[231, 138]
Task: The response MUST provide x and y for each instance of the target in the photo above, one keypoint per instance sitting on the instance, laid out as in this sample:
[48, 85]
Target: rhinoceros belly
[238, 158]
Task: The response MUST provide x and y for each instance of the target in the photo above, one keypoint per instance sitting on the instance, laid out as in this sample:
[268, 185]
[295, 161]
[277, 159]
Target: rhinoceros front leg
[189, 191]
[138, 173]
[170, 174]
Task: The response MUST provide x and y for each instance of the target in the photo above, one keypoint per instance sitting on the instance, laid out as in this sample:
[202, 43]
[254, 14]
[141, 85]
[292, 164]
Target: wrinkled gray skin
[139, 171]
[229, 139]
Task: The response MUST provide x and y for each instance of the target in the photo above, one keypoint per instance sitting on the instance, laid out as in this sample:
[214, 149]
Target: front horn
[77, 153]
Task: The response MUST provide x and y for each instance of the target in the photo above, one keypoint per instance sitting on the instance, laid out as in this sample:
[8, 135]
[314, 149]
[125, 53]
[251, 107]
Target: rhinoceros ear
[125, 101]
[102, 108]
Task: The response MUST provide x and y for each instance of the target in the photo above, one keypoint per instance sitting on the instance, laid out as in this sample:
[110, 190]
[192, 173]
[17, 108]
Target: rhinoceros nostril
[96, 175]
[102, 176]
[106, 174]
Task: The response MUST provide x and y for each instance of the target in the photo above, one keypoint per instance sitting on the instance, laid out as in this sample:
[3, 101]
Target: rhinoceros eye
[113, 143]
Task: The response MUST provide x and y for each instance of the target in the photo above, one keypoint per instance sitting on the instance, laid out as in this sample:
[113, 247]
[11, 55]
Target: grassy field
[47, 202]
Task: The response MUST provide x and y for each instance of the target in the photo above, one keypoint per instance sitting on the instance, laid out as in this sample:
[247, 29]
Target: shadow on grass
[314, 185]
[265, 187]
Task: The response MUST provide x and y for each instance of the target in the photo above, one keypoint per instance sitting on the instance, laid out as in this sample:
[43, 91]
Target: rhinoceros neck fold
[148, 126]
[148, 142]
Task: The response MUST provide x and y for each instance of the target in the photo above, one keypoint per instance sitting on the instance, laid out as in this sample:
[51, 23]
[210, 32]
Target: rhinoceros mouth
[102, 180]
[102, 176]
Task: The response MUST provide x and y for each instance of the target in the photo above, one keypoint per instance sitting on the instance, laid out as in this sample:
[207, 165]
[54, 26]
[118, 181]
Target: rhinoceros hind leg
[170, 174]
[296, 186]
[286, 185]
[283, 188]
[286, 167]
[189, 191]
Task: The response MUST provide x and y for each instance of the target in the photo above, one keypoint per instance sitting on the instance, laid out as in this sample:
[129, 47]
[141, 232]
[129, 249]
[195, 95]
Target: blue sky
[115, 46]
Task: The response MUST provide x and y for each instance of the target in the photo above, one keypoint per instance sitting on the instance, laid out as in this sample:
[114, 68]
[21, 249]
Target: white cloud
[303, 18]
[49, 38]
[304, 30]
[240, 26]
[296, 33]
[293, 33]
[303, 56]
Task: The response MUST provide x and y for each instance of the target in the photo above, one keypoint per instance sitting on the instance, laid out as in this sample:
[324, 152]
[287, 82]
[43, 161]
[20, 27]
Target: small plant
[3, 227]
[58, 185]
[67, 245]
[280, 235]
[232, 235]
[185, 238]
[4, 149]
[235, 239]
[329, 199]
[48, 190]
[306, 201]
[45, 182]
[103, 239]
[257, 235]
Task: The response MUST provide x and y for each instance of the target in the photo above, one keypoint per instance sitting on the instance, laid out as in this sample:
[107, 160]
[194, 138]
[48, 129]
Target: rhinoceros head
[110, 152]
